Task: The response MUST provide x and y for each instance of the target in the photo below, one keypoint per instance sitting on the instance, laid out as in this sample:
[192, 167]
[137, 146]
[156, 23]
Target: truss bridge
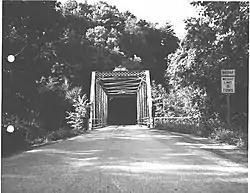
[120, 97]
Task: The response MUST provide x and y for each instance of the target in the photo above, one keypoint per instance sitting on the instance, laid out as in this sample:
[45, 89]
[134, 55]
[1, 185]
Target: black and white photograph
[124, 96]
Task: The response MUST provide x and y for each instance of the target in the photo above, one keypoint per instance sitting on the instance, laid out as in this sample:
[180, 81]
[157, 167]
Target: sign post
[228, 110]
[228, 87]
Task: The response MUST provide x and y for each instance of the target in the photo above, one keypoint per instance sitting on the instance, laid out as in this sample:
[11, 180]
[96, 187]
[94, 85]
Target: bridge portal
[122, 110]
[120, 97]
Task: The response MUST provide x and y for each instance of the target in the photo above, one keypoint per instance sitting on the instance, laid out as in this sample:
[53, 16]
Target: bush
[212, 128]
[28, 133]
[230, 135]
[180, 127]
[12, 142]
[62, 133]
[79, 116]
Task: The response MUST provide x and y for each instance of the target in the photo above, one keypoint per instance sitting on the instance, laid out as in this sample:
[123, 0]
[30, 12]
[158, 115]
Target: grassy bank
[19, 141]
[220, 132]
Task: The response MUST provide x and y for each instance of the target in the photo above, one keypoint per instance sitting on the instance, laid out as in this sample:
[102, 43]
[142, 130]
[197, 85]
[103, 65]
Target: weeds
[220, 132]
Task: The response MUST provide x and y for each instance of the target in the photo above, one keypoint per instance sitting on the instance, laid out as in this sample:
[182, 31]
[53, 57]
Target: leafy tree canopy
[218, 39]
[56, 46]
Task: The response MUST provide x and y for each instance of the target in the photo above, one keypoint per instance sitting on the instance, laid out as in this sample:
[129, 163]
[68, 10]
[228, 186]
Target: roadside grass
[17, 141]
[218, 132]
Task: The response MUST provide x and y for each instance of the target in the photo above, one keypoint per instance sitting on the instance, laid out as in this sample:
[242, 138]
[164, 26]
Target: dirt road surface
[125, 159]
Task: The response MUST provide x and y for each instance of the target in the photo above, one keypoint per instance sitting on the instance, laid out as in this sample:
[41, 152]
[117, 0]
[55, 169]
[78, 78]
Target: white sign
[228, 84]
[230, 72]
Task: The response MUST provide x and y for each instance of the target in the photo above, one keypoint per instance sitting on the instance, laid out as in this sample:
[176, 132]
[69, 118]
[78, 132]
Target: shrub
[212, 128]
[230, 134]
[62, 133]
[25, 133]
[78, 117]
[181, 127]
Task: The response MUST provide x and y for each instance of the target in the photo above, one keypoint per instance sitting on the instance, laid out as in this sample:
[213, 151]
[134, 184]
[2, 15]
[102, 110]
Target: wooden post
[149, 98]
[228, 109]
[92, 101]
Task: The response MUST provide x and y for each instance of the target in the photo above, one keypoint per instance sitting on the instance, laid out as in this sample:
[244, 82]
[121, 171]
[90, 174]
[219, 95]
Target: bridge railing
[145, 121]
[180, 124]
[170, 119]
[97, 123]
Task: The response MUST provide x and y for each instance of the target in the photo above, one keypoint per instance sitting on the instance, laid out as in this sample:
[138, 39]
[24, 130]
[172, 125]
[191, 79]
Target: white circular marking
[11, 58]
[10, 128]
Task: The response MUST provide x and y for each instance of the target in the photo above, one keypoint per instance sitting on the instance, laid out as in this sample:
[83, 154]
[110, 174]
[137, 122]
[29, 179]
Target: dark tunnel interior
[122, 110]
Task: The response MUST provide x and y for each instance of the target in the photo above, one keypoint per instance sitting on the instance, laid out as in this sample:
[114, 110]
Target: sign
[228, 84]
[228, 87]
[230, 72]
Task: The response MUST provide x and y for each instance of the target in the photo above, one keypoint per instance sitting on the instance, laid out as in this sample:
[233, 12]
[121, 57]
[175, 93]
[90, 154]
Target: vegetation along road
[125, 159]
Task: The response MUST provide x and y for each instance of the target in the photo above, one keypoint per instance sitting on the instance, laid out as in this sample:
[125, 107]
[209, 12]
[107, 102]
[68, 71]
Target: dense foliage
[56, 46]
[78, 118]
[45, 90]
[217, 39]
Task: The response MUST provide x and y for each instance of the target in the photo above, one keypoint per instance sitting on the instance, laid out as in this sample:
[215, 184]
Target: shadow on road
[125, 159]
[226, 151]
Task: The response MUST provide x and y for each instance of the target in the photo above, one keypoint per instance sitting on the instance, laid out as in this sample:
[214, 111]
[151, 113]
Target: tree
[56, 46]
[152, 45]
[29, 35]
[217, 40]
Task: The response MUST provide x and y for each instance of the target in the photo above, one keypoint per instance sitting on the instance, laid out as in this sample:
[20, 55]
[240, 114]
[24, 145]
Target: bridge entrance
[122, 111]
[120, 97]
